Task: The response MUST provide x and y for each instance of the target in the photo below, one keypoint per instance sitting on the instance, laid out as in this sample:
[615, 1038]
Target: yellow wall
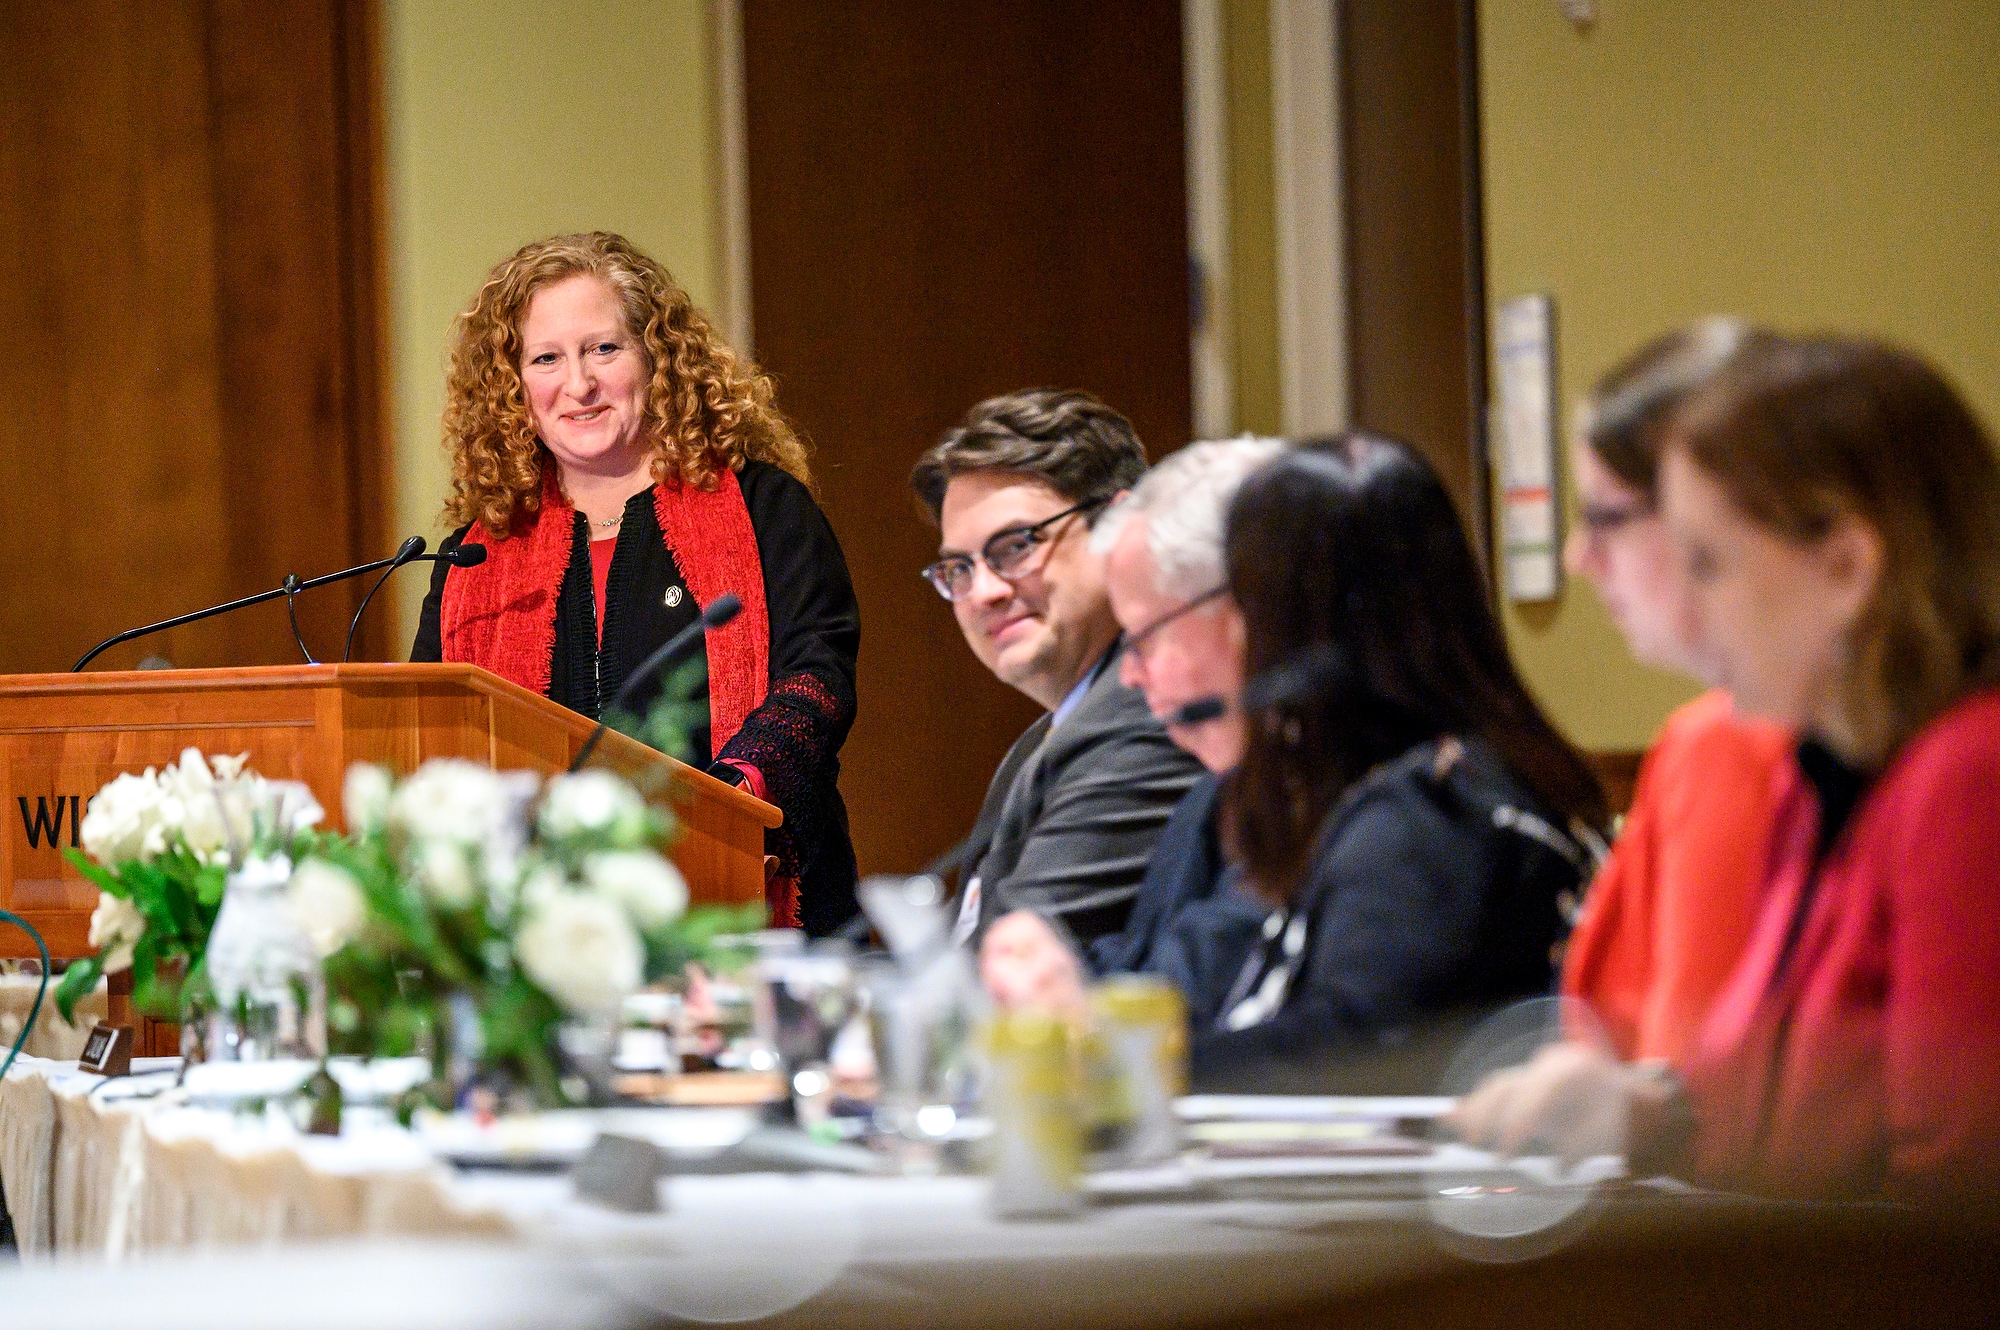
[1253, 241]
[508, 121]
[1813, 166]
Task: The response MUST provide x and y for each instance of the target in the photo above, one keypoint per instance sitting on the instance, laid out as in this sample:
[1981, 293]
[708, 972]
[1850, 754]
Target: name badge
[968, 915]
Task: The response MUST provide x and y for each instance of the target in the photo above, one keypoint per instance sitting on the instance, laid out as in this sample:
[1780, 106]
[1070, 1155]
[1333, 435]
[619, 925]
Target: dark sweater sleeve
[429, 643]
[815, 627]
[794, 737]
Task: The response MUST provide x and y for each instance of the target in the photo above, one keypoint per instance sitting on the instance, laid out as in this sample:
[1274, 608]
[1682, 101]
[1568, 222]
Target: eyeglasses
[1005, 552]
[1600, 520]
[1138, 641]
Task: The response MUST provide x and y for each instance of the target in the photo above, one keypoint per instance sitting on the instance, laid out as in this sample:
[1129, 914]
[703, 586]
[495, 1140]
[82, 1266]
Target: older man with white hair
[1183, 637]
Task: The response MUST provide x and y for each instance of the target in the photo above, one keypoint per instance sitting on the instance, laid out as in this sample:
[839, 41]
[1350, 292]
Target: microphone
[462, 556]
[719, 612]
[1317, 669]
[291, 587]
[1200, 711]
[409, 550]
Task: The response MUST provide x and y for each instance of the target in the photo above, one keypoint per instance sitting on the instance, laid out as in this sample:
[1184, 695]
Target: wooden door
[949, 201]
[189, 285]
[1415, 282]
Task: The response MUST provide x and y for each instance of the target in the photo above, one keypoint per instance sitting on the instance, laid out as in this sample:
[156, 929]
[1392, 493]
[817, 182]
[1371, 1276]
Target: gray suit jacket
[1073, 813]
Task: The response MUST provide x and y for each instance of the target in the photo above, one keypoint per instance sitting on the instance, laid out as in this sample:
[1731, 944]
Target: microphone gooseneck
[719, 612]
[1316, 670]
[291, 590]
[291, 587]
[458, 556]
[409, 553]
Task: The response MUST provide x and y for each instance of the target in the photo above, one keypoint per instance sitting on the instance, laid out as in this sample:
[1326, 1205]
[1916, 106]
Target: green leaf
[405, 1028]
[155, 994]
[209, 884]
[78, 982]
[197, 995]
[691, 939]
[178, 905]
[625, 722]
[156, 990]
[518, 1022]
[105, 880]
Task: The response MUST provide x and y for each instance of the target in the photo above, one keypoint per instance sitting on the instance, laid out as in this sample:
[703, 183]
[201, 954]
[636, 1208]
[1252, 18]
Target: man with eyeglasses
[1072, 815]
[1190, 923]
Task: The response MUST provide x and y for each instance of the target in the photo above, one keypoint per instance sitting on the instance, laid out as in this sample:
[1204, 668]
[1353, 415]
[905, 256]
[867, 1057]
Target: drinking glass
[927, 1065]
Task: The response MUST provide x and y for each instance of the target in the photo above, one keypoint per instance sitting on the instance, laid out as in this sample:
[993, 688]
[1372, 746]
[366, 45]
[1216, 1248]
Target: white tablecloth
[52, 1036]
[138, 1184]
[819, 1250]
[925, 1251]
[27, 1157]
[126, 1176]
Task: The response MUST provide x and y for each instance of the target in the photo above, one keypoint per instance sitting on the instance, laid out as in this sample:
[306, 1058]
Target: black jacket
[1191, 923]
[794, 737]
[1435, 897]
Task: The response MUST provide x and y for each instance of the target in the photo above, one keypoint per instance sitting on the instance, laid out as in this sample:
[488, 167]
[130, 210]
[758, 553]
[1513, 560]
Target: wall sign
[1530, 535]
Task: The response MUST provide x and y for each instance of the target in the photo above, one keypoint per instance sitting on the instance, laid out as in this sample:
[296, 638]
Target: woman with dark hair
[1836, 508]
[1404, 805]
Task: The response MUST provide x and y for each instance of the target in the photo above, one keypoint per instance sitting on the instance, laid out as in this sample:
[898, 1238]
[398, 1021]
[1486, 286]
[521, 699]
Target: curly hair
[707, 409]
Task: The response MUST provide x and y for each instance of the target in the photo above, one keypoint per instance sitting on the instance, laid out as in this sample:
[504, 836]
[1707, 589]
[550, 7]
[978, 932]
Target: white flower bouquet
[469, 914]
[160, 846]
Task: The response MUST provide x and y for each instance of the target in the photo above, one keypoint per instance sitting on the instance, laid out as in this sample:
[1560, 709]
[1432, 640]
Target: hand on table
[1571, 1100]
[1024, 964]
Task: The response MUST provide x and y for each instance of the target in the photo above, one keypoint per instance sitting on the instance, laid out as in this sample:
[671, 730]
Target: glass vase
[270, 994]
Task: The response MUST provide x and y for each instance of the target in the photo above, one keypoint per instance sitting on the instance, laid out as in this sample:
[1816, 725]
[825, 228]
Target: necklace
[610, 522]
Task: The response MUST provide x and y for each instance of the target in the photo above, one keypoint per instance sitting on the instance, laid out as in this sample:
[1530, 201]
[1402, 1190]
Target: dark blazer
[1192, 924]
[1075, 811]
[1436, 896]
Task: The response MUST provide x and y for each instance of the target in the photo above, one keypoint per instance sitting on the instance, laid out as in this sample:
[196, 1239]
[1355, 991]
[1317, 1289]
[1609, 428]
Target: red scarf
[501, 614]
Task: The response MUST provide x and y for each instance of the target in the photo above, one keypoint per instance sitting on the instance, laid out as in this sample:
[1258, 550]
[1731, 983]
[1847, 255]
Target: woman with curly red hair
[623, 469]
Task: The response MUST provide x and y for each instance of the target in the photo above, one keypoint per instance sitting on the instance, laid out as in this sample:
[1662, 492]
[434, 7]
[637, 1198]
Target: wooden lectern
[64, 736]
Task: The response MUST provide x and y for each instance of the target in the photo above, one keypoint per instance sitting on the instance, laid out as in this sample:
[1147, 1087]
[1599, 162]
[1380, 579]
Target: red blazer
[1668, 916]
[1868, 1065]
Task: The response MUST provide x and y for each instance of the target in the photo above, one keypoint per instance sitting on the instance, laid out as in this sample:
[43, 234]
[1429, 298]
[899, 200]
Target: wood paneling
[1415, 305]
[947, 202]
[63, 736]
[189, 259]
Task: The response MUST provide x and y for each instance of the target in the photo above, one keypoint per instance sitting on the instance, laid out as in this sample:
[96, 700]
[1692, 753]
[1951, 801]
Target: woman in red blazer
[1837, 510]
